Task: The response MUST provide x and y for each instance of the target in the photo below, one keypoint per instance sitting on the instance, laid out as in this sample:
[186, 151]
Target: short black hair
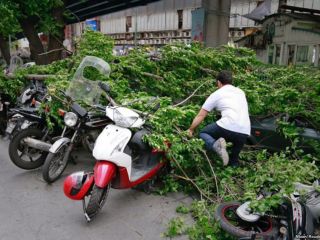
[225, 77]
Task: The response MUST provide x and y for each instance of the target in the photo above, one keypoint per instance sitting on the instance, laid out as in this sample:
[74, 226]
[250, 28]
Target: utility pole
[136, 28]
[217, 17]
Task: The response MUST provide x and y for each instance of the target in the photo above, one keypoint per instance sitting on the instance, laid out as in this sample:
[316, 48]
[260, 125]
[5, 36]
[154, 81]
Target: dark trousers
[213, 132]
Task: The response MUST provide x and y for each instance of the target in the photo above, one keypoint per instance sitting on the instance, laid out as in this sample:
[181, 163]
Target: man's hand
[190, 133]
[197, 121]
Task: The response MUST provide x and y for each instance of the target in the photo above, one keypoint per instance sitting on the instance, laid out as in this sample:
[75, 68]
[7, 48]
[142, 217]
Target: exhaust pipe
[37, 144]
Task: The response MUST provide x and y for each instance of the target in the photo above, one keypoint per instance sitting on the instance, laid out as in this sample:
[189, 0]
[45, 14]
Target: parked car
[265, 133]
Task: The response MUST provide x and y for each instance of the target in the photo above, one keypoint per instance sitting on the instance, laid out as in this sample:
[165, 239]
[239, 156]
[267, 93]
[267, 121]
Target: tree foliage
[32, 17]
[173, 75]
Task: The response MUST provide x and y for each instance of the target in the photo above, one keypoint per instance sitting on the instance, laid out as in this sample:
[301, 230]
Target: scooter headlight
[70, 119]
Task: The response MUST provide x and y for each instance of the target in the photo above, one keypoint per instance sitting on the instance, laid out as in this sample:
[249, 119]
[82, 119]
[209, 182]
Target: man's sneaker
[220, 147]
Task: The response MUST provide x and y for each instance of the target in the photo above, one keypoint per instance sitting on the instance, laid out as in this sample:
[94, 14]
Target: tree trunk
[36, 47]
[5, 49]
[55, 44]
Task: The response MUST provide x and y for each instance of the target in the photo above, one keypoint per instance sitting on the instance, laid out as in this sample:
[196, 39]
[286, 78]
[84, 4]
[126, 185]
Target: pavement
[30, 209]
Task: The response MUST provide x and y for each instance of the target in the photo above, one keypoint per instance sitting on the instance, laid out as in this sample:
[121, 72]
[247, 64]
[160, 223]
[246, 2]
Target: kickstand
[85, 211]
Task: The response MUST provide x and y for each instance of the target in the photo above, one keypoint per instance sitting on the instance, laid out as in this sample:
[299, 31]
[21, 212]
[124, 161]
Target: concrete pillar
[317, 60]
[217, 17]
[283, 54]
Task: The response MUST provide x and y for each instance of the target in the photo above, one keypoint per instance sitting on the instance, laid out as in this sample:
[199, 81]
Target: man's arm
[197, 121]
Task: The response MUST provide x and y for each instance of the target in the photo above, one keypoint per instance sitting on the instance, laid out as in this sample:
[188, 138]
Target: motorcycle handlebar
[105, 87]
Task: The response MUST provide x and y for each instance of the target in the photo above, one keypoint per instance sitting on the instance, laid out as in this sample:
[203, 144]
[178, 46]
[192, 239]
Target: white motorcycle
[295, 219]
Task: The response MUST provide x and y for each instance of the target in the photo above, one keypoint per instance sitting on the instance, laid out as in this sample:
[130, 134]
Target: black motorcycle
[29, 147]
[27, 103]
[81, 127]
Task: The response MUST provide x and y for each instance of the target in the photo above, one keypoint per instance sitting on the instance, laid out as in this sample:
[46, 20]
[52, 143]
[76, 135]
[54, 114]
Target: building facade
[157, 23]
[241, 26]
[287, 39]
[169, 21]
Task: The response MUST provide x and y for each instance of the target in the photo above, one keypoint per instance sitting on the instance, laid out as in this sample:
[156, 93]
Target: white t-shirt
[231, 102]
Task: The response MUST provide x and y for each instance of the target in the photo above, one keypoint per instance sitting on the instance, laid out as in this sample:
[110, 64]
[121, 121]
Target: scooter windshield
[87, 90]
[15, 63]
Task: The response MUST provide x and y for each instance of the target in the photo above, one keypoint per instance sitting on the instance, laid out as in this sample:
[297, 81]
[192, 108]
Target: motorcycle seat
[304, 188]
[137, 140]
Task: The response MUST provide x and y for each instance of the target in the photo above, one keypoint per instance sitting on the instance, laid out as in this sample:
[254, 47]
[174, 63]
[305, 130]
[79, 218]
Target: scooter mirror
[156, 108]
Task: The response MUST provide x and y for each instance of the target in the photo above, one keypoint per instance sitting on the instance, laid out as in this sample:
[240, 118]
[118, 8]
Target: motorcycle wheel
[24, 156]
[55, 164]
[97, 199]
[265, 228]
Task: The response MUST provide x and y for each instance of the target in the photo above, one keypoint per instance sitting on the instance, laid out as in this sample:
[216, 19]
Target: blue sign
[92, 24]
[197, 31]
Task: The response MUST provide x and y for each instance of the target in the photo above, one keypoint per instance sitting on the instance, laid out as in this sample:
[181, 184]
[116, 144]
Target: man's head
[224, 77]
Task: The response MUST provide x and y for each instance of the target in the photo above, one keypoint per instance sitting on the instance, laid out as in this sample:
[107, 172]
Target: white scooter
[124, 160]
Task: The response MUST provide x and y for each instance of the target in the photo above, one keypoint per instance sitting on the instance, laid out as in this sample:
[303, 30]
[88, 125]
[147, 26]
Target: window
[270, 54]
[180, 19]
[302, 54]
[128, 23]
[278, 50]
[318, 63]
[314, 54]
[291, 49]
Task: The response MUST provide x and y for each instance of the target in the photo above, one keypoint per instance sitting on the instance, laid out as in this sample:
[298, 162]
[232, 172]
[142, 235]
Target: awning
[85, 9]
[260, 12]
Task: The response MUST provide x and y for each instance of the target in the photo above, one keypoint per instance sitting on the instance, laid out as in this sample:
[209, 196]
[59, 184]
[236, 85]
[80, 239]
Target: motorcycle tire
[15, 146]
[266, 228]
[97, 199]
[55, 164]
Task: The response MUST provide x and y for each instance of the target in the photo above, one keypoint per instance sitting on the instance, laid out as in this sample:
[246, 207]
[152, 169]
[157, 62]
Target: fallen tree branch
[32, 76]
[208, 70]
[152, 75]
[213, 173]
[51, 51]
[190, 180]
[192, 95]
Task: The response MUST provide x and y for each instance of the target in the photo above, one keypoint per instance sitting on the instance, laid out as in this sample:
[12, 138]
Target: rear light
[61, 112]
[47, 109]
[257, 133]
[33, 102]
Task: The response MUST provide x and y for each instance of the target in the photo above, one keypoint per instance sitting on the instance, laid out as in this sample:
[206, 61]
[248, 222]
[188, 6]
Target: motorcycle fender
[59, 144]
[103, 173]
[16, 116]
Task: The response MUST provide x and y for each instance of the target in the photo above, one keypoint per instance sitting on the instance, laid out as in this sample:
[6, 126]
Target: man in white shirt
[234, 125]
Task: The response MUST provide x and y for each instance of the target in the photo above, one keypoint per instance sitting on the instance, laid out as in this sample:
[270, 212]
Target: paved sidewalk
[30, 209]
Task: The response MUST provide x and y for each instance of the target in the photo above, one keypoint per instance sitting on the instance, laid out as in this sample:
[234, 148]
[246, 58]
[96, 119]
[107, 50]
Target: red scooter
[123, 159]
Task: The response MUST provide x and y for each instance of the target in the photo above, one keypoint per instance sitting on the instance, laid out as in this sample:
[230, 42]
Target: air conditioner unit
[236, 33]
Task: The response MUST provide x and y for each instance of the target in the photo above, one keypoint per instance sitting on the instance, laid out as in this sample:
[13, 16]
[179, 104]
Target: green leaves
[8, 22]
[174, 76]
